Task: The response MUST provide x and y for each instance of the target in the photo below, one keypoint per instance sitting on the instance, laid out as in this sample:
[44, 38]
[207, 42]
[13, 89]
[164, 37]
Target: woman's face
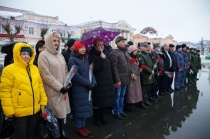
[56, 42]
[25, 56]
[82, 50]
[135, 52]
[99, 46]
[40, 49]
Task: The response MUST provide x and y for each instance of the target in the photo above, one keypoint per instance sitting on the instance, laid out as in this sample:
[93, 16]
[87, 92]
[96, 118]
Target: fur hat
[178, 46]
[184, 45]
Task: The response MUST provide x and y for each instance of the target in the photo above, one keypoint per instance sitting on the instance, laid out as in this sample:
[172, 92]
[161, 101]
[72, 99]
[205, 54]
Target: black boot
[62, 133]
[142, 105]
[101, 116]
[96, 116]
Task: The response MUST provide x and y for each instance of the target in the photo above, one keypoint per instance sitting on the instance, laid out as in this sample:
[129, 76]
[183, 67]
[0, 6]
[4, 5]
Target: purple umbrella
[106, 34]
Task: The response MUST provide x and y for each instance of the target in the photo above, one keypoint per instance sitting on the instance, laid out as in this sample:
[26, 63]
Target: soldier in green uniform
[147, 69]
[196, 65]
[192, 65]
[189, 62]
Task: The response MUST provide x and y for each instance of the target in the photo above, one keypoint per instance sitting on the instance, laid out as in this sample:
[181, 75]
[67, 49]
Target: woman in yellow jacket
[22, 92]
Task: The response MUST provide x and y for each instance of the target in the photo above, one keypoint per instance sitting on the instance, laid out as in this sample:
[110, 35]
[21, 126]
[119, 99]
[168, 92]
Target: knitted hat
[178, 46]
[70, 43]
[26, 49]
[77, 45]
[131, 48]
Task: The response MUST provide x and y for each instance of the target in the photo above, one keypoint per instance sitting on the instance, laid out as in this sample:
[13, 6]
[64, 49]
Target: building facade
[142, 38]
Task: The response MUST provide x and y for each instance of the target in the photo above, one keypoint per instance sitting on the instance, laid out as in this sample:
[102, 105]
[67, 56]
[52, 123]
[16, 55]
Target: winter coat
[103, 93]
[134, 91]
[21, 87]
[160, 64]
[81, 107]
[66, 54]
[54, 71]
[199, 62]
[167, 61]
[120, 66]
[1, 68]
[174, 61]
[147, 71]
[184, 53]
[8, 59]
[180, 61]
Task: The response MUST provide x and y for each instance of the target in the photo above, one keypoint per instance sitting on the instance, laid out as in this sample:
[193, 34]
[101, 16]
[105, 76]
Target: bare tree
[43, 32]
[6, 25]
[44, 28]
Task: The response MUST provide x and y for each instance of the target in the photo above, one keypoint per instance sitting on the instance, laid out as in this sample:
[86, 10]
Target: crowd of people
[124, 77]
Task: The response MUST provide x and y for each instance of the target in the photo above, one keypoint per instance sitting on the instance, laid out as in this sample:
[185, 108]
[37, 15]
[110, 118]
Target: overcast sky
[185, 20]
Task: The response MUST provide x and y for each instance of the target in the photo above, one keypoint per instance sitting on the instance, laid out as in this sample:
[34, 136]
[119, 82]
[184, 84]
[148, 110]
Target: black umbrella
[8, 47]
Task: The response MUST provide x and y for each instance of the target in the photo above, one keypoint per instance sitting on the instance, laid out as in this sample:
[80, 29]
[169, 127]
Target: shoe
[86, 130]
[148, 104]
[123, 114]
[81, 132]
[172, 90]
[156, 97]
[151, 99]
[118, 116]
[98, 124]
[143, 106]
[196, 79]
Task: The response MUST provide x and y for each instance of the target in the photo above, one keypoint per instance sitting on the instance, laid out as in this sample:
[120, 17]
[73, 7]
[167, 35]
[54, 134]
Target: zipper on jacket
[29, 75]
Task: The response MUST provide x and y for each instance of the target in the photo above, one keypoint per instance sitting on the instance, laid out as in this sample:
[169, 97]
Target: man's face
[121, 43]
[166, 47]
[180, 49]
[188, 50]
[144, 48]
[172, 49]
[185, 48]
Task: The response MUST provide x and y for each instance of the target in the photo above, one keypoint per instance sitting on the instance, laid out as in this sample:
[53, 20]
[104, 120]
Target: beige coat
[53, 71]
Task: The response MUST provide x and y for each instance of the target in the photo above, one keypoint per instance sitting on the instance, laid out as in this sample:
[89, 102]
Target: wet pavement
[180, 115]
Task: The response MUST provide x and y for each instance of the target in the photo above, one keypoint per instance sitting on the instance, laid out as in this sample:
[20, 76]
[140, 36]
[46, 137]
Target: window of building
[31, 30]
[2, 29]
[62, 32]
[72, 33]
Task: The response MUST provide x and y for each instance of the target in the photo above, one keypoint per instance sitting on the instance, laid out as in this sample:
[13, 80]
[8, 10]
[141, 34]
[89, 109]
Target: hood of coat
[16, 54]
[49, 44]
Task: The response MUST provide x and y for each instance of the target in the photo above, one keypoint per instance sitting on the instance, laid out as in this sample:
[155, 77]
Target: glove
[64, 90]
[92, 85]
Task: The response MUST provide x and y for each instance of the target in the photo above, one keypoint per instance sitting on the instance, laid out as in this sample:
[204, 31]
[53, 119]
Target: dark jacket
[103, 93]
[147, 71]
[120, 66]
[8, 59]
[167, 61]
[66, 54]
[160, 63]
[81, 108]
[107, 49]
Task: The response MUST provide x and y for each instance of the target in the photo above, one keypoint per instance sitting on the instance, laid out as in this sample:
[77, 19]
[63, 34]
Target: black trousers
[162, 83]
[25, 127]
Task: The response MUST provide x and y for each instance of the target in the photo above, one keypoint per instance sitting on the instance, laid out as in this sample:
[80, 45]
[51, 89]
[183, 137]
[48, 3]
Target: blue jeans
[119, 99]
[80, 122]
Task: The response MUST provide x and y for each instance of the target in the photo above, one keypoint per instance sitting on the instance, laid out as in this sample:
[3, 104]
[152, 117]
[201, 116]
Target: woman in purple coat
[134, 91]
